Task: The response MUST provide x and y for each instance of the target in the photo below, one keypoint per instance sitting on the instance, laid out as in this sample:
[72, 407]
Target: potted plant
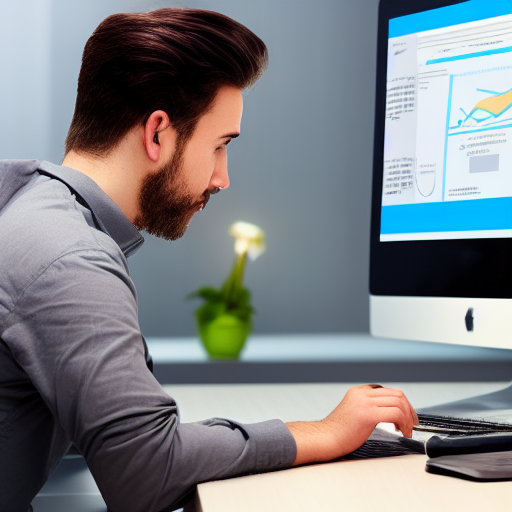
[224, 320]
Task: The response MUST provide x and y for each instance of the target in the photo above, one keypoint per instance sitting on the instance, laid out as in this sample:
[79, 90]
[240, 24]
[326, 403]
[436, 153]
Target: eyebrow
[230, 135]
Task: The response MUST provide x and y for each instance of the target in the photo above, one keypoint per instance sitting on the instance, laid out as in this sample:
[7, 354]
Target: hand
[350, 424]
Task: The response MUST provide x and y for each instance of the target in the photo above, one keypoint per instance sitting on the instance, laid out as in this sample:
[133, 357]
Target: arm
[351, 422]
[74, 331]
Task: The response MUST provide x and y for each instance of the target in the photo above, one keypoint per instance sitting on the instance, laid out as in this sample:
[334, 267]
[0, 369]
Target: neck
[118, 174]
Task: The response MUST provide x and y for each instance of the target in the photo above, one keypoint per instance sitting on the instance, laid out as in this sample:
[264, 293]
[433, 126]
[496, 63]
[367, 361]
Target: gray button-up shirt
[73, 364]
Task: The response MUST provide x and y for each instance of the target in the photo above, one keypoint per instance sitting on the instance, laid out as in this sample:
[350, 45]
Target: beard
[166, 208]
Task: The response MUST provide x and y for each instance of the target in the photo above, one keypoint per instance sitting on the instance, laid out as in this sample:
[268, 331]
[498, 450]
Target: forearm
[174, 462]
[314, 443]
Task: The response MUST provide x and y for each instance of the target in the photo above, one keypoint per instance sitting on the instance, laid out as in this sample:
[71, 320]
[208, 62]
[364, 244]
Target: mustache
[206, 198]
[207, 193]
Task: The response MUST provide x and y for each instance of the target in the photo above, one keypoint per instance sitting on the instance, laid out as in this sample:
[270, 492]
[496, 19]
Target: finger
[415, 416]
[397, 393]
[403, 405]
[412, 412]
[406, 427]
[396, 416]
[381, 396]
[391, 401]
[374, 391]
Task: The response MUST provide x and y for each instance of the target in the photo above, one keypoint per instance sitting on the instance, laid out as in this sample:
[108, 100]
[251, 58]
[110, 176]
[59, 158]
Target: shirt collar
[109, 216]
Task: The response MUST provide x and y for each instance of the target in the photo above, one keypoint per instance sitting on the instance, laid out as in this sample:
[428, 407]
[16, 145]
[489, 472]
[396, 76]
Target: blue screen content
[447, 170]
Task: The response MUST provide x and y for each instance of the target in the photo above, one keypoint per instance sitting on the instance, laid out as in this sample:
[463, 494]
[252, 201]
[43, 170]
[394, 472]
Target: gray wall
[301, 169]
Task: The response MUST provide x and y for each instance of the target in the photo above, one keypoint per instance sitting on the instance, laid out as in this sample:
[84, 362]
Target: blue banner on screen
[473, 215]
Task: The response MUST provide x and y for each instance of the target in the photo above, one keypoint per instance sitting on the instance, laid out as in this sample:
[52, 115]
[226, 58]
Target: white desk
[397, 484]
[400, 484]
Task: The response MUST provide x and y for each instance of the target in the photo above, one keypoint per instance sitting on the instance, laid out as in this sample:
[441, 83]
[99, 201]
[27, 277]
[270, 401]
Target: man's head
[170, 70]
[198, 168]
[173, 60]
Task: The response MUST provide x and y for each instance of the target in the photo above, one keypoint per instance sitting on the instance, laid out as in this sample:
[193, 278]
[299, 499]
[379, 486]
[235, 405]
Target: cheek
[199, 173]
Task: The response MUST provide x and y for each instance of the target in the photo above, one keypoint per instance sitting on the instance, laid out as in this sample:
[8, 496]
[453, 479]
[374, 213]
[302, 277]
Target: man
[159, 99]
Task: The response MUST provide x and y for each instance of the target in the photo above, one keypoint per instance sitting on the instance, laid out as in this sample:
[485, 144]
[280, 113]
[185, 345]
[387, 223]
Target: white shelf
[324, 348]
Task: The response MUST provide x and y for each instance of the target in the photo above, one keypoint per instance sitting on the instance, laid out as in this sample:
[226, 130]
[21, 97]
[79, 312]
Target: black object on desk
[483, 451]
[483, 458]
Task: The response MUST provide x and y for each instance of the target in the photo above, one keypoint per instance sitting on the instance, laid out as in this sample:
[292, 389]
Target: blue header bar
[472, 10]
[468, 215]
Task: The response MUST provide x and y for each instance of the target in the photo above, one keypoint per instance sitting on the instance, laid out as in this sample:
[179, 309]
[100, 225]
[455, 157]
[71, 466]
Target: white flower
[249, 239]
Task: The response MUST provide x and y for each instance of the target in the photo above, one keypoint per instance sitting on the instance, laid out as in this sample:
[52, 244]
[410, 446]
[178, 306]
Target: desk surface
[397, 484]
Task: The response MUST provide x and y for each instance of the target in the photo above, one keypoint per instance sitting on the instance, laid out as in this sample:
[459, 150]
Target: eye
[222, 146]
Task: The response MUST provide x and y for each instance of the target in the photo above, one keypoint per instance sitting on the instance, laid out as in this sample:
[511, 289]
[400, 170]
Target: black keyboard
[460, 426]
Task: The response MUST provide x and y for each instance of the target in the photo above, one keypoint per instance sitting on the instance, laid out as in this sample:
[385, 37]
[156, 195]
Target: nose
[220, 176]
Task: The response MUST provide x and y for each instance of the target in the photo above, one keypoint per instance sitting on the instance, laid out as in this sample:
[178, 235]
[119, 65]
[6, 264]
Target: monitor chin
[462, 321]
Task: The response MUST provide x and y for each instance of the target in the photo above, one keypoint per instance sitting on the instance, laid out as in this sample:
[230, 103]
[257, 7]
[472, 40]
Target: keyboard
[447, 425]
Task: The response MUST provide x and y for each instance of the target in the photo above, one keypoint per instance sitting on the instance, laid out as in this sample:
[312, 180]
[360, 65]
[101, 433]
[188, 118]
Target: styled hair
[171, 59]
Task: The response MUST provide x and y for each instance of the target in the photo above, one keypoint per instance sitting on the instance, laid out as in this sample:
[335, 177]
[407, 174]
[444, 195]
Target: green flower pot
[223, 337]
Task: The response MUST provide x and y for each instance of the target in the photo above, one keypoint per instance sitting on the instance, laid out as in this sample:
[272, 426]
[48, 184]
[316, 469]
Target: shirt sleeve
[74, 330]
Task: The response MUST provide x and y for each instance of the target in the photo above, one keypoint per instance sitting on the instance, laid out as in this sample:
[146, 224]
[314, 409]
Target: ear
[157, 122]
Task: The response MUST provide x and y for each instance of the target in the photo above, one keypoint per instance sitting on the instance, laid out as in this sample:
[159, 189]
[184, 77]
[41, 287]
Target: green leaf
[243, 298]
[209, 311]
[242, 312]
[208, 293]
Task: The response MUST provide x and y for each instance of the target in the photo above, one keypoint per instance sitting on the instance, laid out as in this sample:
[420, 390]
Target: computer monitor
[441, 233]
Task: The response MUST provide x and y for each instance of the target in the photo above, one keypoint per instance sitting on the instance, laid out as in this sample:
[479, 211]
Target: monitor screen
[441, 240]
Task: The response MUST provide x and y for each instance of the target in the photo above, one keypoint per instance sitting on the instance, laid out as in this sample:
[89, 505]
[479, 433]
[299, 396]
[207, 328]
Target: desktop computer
[441, 232]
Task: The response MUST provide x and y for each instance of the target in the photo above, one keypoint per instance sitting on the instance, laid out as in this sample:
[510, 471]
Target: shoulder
[44, 224]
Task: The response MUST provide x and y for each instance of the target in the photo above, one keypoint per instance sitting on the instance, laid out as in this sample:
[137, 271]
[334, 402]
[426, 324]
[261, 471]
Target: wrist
[315, 441]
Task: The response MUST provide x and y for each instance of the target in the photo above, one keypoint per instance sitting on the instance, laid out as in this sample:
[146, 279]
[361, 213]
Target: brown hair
[171, 59]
